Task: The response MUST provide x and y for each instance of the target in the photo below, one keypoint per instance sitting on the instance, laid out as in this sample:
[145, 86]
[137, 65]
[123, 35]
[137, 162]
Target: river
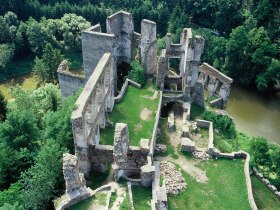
[255, 114]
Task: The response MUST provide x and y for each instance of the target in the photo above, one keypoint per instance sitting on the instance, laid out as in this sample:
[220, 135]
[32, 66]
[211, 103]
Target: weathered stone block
[144, 146]
[187, 145]
[121, 143]
[147, 175]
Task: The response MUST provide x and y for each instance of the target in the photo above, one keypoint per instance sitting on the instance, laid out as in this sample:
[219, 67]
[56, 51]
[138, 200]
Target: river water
[255, 114]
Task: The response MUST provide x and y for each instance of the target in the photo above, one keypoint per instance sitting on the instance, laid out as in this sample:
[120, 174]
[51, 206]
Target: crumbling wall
[128, 159]
[162, 69]
[90, 110]
[94, 45]
[121, 25]
[148, 47]
[215, 82]
[69, 83]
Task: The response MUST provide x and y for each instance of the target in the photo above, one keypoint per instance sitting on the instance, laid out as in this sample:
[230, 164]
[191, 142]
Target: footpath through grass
[128, 111]
[264, 198]
[225, 189]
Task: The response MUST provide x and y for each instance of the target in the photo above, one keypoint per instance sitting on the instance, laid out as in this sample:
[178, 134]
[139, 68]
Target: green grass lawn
[165, 139]
[141, 197]
[126, 205]
[99, 199]
[128, 111]
[264, 198]
[225, 189]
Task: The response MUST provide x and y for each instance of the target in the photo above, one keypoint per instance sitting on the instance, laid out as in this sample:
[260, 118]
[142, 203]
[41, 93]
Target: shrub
[137, 73]
[222, 123]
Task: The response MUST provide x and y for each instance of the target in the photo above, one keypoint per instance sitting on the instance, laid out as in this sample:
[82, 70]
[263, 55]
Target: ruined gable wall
[68, 82]
[94, 45]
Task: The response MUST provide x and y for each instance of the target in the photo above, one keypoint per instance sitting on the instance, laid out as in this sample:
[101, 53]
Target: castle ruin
[102, 52]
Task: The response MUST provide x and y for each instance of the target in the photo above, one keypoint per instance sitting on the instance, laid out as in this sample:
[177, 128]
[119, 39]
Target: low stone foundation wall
[154, 136]
[267, 183]
[127, 82]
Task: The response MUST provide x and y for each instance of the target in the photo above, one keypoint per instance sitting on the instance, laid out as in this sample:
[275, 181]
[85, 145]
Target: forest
[242, 40]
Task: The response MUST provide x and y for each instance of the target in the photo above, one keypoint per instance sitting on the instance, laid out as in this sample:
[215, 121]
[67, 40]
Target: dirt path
[121, 193]
[145, 114]
[187, 165]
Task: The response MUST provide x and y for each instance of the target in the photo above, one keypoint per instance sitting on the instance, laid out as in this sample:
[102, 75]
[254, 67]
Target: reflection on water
[255, 114]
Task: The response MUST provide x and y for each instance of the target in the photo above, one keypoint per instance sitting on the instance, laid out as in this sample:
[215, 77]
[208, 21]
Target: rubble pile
[174, 181]
[201, 155]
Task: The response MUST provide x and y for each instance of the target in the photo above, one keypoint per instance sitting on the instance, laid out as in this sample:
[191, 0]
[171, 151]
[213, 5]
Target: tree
[39, 182]
[58, 124]
[3, 107]
[259, 150]
[38, 102]
[15, 206]
[6, 54]
[137, 73]
[51, 58]
[18, 144]
[40, 70]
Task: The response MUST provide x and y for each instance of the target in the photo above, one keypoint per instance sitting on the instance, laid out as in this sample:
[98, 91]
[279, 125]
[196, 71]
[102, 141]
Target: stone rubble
[174, 181]
[201, 155]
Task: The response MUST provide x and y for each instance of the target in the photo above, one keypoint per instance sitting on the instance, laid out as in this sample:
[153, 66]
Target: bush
[137, 73]
[222, 123]
[196, 111]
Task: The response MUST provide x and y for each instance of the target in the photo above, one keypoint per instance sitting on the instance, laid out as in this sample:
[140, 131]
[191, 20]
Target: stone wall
[215, 82]
[154, 135]
[94, 45]
[148, 47]
[89, 115]
[121, 25]
[121, 94]
[267, 183]
[69, 83]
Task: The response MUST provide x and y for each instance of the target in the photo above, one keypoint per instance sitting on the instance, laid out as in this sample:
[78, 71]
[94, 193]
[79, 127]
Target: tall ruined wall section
[90, 110]
[94, 45]
[148, 47]
[121, 25]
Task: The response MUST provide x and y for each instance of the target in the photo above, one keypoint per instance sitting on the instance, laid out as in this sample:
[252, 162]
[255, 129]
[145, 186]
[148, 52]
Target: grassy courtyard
[138, 110]
[141, 197]
[225, 189]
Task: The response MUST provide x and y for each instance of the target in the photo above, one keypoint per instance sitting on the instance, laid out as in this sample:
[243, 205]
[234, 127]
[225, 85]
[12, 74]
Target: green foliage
[141, 197]
[137, 73]
[38, 102]
[222, 123]
[58, 125]
[3, 107]
[259, 150]
[40, 70]
[18, 143]
[15, 206]
[196, 111]
[6, 54]
[46, 68]
[10, 195]
[39, 182]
